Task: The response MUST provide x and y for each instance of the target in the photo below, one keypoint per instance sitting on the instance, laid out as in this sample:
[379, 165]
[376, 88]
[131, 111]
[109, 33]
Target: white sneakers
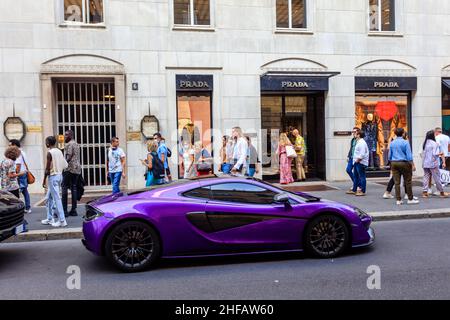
[59, 224]
[56, 224]
[413, 201]
[414, 197]
[387, 195]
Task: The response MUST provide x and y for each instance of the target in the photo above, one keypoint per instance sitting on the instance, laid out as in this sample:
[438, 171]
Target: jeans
[399, 169]
[251, 172]
[115, 181]
[350, 169]
[359, 177]
[70, 181]
[226, 168]
[53, 198]
[23, 184]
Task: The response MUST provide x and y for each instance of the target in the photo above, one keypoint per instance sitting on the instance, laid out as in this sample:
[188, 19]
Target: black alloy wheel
[327, 236]
[132, 246]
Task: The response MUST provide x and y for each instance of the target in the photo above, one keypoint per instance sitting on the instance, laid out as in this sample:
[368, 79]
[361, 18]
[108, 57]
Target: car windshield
[301, 198]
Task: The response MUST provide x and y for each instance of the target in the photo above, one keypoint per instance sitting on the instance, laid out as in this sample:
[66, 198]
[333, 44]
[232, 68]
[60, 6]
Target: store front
[382, 104]
[194, 118]
[293, 102]
[446, 106]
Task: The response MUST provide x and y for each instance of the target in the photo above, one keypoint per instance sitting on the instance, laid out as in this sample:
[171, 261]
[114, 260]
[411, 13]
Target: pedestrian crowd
[435, 156]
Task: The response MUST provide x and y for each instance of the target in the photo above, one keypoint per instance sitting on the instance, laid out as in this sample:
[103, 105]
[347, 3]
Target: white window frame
[64, 23]
[192, 26]
[399, 6]
[309, 16]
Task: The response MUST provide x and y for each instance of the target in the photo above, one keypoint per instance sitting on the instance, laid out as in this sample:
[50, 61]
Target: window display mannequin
[374, 138]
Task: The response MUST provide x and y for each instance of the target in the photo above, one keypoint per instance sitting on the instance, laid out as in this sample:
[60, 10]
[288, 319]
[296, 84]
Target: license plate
[19, 229]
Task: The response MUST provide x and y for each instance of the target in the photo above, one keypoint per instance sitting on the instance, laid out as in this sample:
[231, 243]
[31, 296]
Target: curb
[76, 233]
[43, 235]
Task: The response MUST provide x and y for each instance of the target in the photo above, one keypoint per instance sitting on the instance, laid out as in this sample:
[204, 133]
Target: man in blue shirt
[400, 157]
[163, 152]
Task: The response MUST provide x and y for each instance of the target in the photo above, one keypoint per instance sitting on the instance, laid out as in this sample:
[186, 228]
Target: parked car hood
[8, 203]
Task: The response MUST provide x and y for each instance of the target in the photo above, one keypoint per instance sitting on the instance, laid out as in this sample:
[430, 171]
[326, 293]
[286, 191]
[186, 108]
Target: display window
[194, 131]
[378, 116]
[83, 11]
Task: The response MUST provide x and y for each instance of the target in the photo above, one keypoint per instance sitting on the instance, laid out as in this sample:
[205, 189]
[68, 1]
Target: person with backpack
[163, 153]
[155, 168]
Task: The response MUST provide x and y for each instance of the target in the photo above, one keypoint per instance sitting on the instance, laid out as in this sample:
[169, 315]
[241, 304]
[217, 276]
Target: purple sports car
[218, 216]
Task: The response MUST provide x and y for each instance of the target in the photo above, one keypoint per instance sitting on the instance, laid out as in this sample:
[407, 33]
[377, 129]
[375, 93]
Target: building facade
[201, 67]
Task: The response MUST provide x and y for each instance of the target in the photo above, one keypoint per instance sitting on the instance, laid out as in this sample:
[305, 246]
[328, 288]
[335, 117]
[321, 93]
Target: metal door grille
[88, 108]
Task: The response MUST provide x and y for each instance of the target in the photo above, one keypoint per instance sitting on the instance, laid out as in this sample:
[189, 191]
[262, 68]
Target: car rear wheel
[327, 236]
[132, 246]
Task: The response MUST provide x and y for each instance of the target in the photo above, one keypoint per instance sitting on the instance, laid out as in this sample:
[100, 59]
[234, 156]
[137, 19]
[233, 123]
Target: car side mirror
[281, 198]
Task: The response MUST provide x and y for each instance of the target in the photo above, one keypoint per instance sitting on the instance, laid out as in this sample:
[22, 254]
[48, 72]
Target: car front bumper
[371, 235]
[10, 232]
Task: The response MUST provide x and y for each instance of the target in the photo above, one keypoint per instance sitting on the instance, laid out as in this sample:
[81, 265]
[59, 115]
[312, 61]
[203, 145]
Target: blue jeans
[23, 184]
[226, 168]
[251, 172]
[359, 177]
[115, 181]
[350, 169]
[53, 197]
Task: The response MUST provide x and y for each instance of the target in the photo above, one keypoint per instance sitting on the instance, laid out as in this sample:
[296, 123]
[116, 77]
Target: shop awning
[446, 82]
[295, 81]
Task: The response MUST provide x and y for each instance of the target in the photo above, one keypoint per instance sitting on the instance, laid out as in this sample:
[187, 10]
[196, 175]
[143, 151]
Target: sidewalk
[372, 203]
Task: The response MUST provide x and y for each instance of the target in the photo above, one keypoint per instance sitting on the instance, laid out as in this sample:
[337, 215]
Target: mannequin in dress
[372, 135]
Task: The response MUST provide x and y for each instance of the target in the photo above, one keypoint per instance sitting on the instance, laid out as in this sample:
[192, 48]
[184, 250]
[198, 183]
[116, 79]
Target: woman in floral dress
[285, 162]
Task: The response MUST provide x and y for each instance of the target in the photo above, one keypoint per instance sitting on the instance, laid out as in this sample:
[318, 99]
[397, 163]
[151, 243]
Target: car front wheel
[327, 236]
[132, 246]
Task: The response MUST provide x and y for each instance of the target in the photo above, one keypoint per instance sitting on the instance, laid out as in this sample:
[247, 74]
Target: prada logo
[294, 84]
[390, 84]
[194, 84]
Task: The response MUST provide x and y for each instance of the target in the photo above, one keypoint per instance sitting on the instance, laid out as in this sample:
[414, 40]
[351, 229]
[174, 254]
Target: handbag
[290, 152]
[30, 177]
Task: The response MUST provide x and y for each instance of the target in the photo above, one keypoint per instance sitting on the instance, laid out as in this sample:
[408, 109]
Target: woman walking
[225, 155]
[8, 172]
[431, 155]
[285, 161]
[152, 156]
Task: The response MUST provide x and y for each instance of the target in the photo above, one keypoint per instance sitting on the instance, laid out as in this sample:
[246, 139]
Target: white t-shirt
[21, 160]
[114, 163]
[361, 152]
[240, 152]
[443, 140]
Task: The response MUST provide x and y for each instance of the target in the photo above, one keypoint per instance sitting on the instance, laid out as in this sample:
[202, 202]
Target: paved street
[413, 256]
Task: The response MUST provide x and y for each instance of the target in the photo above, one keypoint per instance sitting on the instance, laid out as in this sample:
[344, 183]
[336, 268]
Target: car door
[243, 215]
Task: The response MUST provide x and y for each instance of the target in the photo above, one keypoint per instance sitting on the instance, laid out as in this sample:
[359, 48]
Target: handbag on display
[290, 152]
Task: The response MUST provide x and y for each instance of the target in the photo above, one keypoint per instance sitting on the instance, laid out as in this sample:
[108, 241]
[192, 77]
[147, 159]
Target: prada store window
[378, 116]
[291, 14]
[194, 128]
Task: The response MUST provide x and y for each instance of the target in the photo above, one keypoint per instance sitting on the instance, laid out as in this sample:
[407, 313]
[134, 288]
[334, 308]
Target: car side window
[199, 193]
[242, 193]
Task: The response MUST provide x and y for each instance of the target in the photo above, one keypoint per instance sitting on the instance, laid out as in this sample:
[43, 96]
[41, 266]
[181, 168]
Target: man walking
[402, 165]
[163, 154]
[300, 148]
[351, 151]
[53, 170]
[71, 174]
[443, 140]
[115, 165]
[360, 163]
[240, 150]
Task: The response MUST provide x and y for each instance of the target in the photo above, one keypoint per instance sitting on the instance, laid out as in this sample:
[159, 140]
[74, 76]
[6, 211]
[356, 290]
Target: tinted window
[202, 193]
[241, 192]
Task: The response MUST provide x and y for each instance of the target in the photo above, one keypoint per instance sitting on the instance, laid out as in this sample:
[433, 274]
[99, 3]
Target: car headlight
[361, 214]
[92, 213]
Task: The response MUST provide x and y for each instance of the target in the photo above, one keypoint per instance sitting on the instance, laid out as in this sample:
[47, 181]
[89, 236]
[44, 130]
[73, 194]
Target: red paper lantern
[386, 110]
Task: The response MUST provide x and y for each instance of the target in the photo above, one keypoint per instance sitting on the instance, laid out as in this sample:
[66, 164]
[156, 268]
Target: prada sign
[194, 82]
[293, 83]
[385, 83]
